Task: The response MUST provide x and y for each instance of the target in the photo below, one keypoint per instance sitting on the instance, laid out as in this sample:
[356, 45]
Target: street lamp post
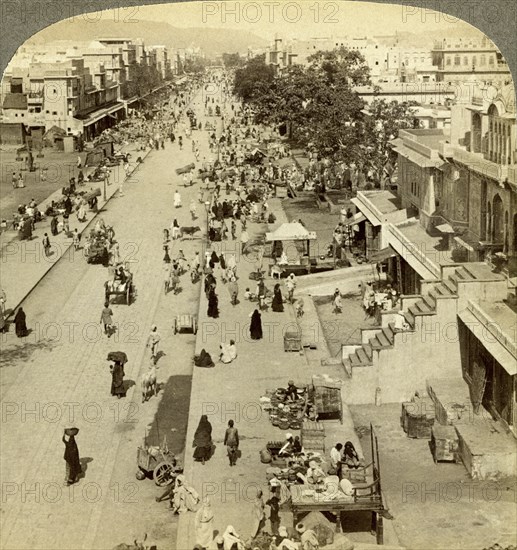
[207, 209]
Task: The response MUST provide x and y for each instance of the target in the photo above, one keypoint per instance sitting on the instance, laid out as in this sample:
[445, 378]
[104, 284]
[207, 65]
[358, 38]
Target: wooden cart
[126, 289]
[185, 323]
[161, 465]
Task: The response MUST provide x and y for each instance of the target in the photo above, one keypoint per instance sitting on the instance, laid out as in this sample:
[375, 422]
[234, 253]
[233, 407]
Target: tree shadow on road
[172, 415]
[21, 353]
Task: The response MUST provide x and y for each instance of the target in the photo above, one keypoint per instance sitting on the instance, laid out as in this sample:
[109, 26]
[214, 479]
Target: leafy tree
[382, 124]
[232, 60]
[254, 79]
[195, 65]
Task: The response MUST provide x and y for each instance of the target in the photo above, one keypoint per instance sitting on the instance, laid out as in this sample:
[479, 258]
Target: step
[347, 365]
[368, 350]
[375, 344]
[410, 319]
[389, 334]
[451, 285]
[464, 274]
[383, 340]
[430, 300]
[363, 357]
[424, 308]
[443, 291]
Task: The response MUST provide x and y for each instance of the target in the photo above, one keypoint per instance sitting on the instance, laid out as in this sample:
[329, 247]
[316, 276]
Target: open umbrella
[117, 357]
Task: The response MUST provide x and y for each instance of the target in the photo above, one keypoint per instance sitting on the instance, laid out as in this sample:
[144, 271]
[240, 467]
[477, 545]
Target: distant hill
[212, 41]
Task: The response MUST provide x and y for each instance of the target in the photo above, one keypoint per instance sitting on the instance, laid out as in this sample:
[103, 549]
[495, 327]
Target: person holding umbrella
[71, 456]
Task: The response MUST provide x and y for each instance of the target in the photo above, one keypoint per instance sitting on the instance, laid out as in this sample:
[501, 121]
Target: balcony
[35, 98]
[474, 161]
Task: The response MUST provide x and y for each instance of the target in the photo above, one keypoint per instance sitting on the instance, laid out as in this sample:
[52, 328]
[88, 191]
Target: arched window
[457, 60]
[448, 61]
[465, 60]
[491, 60]
[497, 220]
[474, 61]
[476, 133]
[483, 59]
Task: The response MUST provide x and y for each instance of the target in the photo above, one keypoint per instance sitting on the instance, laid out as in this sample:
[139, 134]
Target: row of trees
[322, 108]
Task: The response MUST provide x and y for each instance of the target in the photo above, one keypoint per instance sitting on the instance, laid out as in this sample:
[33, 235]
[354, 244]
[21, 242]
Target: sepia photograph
[258, 277]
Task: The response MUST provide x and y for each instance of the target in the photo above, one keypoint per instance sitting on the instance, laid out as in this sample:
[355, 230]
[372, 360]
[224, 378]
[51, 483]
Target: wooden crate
[292, 341]
[444, 443]
[313, 436]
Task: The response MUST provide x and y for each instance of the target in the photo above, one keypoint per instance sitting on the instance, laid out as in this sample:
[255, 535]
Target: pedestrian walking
[177, 199]
[256, 325]
[244, 241]
[76, 239]
[3, 299]
[258, 515]
[233, 229]
[117, 379]
[203, 440]
[290, 284]
[204, 524]
[20, 323]
[71, 456]
[106, 319]
[233, 289]
[46, 244]
[231, 440]
[152, 342]
[337, 302]
[193, 209]
[274, 506]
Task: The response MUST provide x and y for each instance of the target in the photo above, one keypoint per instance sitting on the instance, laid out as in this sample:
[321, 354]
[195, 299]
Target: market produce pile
[283, 413]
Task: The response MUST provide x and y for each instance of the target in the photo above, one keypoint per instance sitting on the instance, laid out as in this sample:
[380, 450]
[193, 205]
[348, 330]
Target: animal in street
[149, 385]
[189, 232]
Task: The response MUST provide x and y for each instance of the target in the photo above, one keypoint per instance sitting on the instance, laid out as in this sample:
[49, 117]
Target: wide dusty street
[59, 375]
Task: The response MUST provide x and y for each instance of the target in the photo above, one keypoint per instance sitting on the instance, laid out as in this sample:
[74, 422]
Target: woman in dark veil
[278, 303]
[203, 440]
[256, 325]
[213, 304]
[20, 323]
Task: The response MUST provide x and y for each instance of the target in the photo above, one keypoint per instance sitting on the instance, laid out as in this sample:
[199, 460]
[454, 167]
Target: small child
[247, 294]
[299, 308]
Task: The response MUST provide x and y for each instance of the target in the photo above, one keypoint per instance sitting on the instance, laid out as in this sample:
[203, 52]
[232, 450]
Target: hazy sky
[300, 19]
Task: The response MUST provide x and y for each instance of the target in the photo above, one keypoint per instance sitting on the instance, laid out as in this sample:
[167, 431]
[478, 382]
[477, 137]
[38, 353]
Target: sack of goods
[265, 456]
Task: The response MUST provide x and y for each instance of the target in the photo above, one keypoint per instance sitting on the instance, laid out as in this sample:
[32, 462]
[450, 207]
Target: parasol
[117, 357]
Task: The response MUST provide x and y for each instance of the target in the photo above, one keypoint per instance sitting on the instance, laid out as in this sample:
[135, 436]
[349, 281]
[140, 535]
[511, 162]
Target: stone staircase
[400, 359]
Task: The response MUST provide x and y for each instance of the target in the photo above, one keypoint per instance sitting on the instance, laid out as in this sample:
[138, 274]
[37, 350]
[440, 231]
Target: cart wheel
[194, 325]
[175, 326]
[140, 475]
[162, 474]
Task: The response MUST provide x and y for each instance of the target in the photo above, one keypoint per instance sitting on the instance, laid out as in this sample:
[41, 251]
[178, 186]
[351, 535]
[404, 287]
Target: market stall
[334, 497]
[290, 247]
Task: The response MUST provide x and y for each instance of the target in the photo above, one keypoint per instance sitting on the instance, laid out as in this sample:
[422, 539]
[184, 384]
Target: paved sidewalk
[24, 263]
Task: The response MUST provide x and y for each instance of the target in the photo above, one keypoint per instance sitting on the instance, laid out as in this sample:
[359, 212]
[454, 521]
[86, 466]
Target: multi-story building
[471, 59]
[447, 236]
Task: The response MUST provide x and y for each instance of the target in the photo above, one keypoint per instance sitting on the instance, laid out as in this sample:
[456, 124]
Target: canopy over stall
[293, 232]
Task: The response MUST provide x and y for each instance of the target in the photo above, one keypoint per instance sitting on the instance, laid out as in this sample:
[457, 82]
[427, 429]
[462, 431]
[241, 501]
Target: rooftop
[503, 315]
[430, 138]
[384, 201]
[15, 101]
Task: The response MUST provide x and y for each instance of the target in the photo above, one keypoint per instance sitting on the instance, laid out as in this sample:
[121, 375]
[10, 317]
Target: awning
[382, 255]
[370, 216]
[291, 232]
[494, 347]
[355, 219]
[414, 156]
[445, 228]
